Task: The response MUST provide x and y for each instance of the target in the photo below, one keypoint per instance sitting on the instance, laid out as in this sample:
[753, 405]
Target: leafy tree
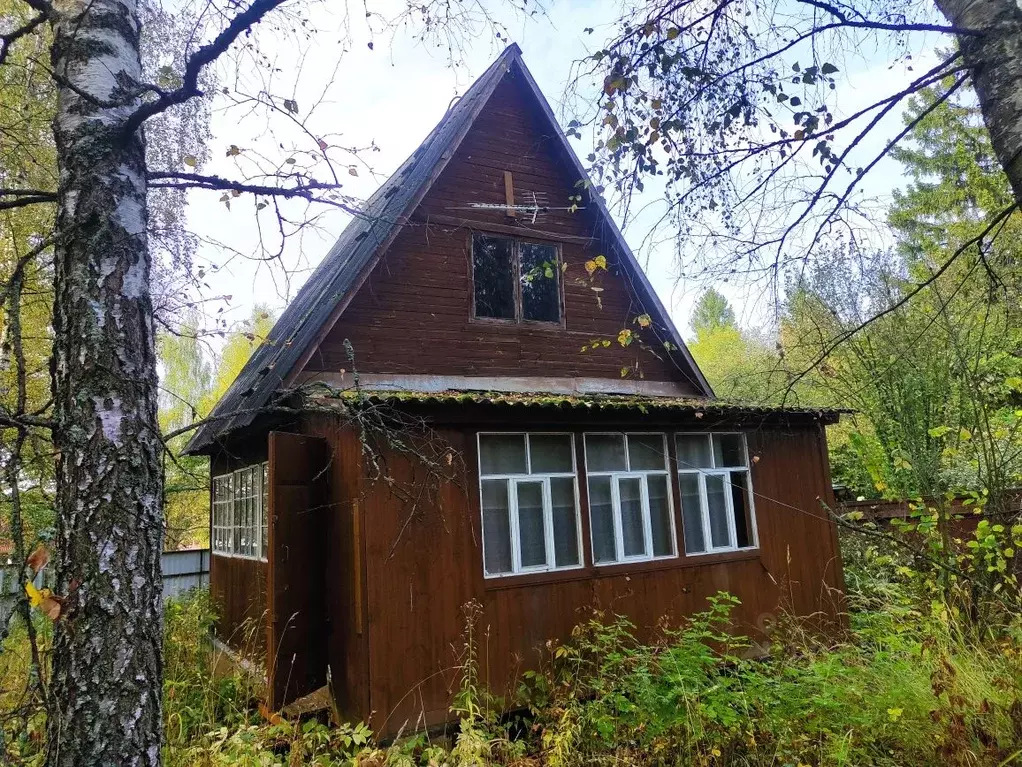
[108, 246]
[736, 110]
[739, 365]
[935, 379]
[712, 312]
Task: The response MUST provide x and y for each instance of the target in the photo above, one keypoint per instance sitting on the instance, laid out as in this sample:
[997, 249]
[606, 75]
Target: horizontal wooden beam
[514, 384]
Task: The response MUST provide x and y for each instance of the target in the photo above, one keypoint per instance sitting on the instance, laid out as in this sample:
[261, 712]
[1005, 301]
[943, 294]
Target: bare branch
[204, 56]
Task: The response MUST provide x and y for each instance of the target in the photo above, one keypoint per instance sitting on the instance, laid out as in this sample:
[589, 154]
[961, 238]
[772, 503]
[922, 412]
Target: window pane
[717, 504]
[659, 515]
[562, 496]
[691, 513]
[743, 515]
[494, 282]
[605, 452]
[601, 519]
[550, 453]
[502, 454]
[632, 538]
[727, 450]
[646, 452]
[693, 451]
[266, 510]
[496, 527]
[531, 529]
[540, 296]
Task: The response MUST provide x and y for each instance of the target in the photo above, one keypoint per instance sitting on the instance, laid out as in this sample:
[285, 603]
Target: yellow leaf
[673, 33]
[601, 261]
[190, 161]
[590, 267]
[624, 337]
[35, 596]
[894, 714]
[644, 320]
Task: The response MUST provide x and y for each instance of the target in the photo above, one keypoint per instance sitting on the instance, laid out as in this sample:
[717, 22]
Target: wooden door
[296, 631]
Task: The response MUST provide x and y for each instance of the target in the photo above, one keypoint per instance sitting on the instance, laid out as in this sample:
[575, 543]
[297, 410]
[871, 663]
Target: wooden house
[478, 397]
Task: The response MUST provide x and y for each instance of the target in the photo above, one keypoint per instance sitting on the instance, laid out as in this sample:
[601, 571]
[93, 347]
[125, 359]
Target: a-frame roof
[331, 286]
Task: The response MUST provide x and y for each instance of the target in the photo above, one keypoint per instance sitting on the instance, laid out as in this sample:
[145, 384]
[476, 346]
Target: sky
[390, 95]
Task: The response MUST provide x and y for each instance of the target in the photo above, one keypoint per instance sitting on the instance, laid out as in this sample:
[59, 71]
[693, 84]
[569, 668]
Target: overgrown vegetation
[912, 681]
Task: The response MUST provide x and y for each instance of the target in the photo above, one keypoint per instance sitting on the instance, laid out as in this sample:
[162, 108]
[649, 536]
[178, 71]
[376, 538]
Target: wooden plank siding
[296, 629]
[414, 313]
[425, 565]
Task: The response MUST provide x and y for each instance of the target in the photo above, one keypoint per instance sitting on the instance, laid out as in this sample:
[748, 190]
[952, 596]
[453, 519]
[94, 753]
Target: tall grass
[908, 686]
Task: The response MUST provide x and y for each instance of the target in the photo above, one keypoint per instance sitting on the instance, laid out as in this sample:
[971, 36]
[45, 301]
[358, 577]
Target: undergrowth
[908, 685]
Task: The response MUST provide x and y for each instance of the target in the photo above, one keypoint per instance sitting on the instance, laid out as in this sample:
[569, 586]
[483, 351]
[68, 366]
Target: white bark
[995, 59]
[107, 664]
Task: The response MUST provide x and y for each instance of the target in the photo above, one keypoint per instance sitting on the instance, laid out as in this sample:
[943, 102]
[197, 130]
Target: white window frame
[704, 505]
[513, 481]
[226, 512]
[615, 494]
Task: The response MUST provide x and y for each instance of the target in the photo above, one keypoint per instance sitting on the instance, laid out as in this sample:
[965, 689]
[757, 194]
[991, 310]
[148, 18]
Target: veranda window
[240, 513]
[629, 497]
[529, 503]
[716, 493]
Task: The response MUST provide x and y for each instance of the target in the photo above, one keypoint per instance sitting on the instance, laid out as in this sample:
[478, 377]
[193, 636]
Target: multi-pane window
[529, 503]
[716, 493]
[240, 512]
[515, 280]
[629, 497]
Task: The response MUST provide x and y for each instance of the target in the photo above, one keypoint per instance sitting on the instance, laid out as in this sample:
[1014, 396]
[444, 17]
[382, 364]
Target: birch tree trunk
[106, 686]
[995, 61]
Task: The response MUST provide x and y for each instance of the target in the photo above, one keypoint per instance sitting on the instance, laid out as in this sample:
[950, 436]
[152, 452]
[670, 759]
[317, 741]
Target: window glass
[496, 527]
[717, 504]
[601, 509]
[266, 511]
[660, 515]
[565, 518]
[530, 516]
[694, 451]
[531, 528]
[646, 452]
[633, 538]
[539, 273]
[740, 503]
[692, 513]
[550, 453]
[727, 450]
[724, 496]
[502, 454]
[630, 499]
[493, 266]
[605, 452]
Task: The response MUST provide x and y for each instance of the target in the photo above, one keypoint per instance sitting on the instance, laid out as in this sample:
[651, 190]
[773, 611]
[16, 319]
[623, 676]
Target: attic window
[515, 280]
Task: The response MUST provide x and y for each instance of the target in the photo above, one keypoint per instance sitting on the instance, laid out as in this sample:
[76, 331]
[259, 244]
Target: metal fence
[182, 571]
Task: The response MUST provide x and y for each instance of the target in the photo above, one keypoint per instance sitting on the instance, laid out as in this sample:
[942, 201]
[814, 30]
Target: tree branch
[204, 56]
[305, 190]
[6, 41]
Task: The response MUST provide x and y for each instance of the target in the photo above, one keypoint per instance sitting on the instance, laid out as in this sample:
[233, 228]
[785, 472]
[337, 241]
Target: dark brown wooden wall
[345, 567]
[297, 631]
[413, 315]
[423, 567]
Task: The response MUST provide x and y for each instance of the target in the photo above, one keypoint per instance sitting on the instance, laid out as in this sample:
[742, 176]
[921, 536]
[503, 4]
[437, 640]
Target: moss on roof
[587, 402]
